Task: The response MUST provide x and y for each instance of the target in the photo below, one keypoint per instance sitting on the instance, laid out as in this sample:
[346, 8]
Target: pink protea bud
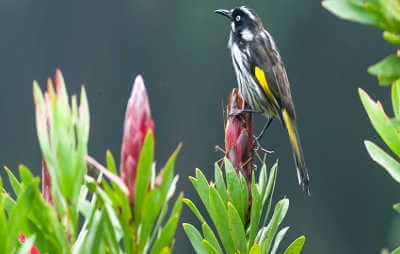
[239, 136]
[137, 122]
[21, 238]
[46, 183]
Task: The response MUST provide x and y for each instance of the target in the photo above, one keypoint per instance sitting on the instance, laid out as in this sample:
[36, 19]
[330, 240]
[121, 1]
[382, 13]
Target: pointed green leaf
[195, 238]
[168, 173]
[200, 183]
[194, 209]
[210, 237]
[381, 123]
[167, 233]
[256, 210]
[384, 159]
[280, 211]
[210, 249]
[387, 70]
[26, 175]
[396, 98]
[245, 198]
[219, 215]
[296, 246]
[237, 229]
[279, 237]
[143, 174]
[220, 183]
[149, 213]
[13, 181]
[263, 181]
[234, 188]
[270, 190]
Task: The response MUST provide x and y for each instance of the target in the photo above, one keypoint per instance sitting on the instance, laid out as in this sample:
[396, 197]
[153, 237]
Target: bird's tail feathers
[302, 172]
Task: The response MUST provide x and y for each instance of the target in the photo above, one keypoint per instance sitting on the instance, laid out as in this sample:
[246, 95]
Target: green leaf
[149, 213]
[113, 224]
[270, 184]
[387, 70]
[200, 183]
[392, 37]
[26, 175]
[194, 209]
[390, 10]
[210, 237]
[219, 215]
[396, 251]
[13, 181]
[384, 159]
[195, 238]
[352, 10]
[234, 188]
[168, 232]
[143, 174]
[210, 249]
[110, 162]
[255, 213]
[396, 98]
[381, 123]
[396, 207]
[263, 181]
[245, 198]
[296, 246]
[280, 211]
[256, 249]
[111, 166]
[237, 229]
[220, 183]
[281, 234]
[93, 242]
[168, 183]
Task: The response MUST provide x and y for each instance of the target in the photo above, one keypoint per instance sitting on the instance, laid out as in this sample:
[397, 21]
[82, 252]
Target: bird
[262, 79]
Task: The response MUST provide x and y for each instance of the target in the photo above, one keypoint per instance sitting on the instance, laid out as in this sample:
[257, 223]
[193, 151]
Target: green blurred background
[180, 47]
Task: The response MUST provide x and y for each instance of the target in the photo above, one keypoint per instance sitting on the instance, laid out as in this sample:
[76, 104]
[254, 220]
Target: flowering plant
[120, 214]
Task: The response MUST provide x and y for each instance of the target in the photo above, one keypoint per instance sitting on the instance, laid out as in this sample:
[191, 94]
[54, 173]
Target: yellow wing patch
[292, 133]
[260, 75]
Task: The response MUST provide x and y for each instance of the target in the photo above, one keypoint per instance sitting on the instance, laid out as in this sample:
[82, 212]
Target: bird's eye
[238, 18]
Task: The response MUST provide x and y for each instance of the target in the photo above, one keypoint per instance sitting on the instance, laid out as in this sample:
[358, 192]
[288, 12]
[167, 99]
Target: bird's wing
[266, 64]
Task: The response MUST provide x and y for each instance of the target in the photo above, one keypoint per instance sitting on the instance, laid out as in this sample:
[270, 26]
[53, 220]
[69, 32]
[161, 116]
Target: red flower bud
[137, 122]
[239, 136]
[21, 238]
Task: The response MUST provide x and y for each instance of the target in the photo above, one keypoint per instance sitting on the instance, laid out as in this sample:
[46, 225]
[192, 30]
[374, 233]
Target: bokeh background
[180, 49]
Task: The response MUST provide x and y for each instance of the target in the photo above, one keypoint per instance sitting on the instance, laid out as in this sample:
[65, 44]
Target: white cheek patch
[233, 26]
[247, 35]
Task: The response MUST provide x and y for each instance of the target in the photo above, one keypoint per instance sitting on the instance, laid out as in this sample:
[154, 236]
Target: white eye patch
[237, 18]
[247, 35]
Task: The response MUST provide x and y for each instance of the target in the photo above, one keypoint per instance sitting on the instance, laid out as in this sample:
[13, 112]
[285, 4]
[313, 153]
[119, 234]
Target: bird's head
[245, 22]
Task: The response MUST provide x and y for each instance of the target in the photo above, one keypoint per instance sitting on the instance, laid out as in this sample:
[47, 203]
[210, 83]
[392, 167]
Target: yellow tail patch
[260, 75]
[292, 133]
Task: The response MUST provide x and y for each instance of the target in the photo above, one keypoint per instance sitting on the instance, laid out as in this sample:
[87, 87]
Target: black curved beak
[225, 13]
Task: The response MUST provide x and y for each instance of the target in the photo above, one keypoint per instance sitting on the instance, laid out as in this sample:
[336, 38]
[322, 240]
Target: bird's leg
[258, 138]
[264, 129]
